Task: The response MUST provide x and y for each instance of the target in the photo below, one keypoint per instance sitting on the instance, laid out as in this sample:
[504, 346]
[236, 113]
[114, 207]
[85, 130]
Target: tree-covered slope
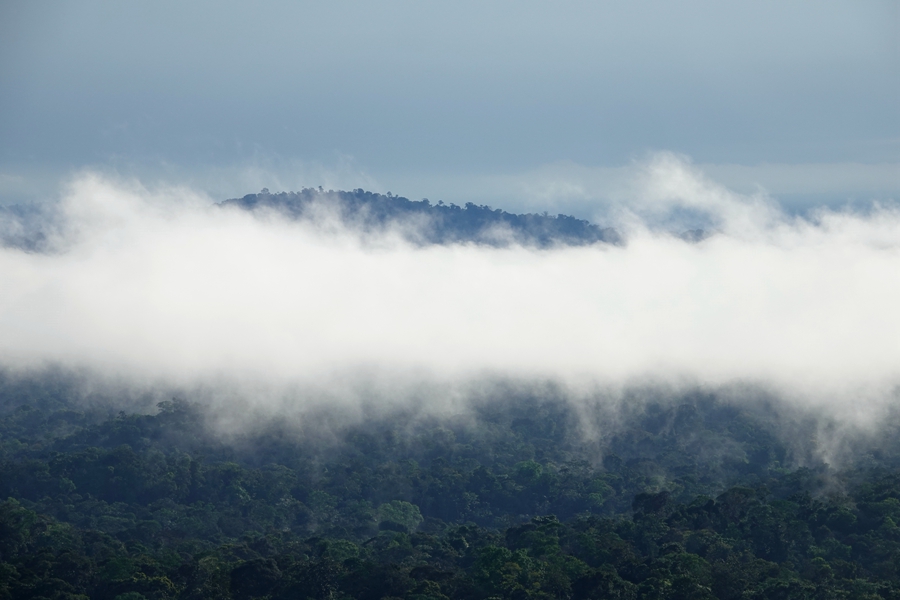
[686, 497]
[424, 222]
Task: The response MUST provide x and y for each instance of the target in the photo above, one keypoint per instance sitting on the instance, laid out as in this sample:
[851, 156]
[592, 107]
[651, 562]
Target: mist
[157, 287]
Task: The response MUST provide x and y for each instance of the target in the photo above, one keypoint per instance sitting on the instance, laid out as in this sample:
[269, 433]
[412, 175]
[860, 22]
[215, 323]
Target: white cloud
[159, 286]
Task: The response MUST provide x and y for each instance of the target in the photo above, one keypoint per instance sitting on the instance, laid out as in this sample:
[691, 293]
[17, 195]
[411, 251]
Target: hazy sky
[516, 104]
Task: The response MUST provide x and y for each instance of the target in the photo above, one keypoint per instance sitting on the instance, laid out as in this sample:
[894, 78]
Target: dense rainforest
[521, 495]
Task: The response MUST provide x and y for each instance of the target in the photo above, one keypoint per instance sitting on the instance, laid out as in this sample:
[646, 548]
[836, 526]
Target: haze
[524, 106]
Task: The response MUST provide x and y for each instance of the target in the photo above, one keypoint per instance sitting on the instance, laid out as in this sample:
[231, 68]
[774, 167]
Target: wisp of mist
[164, 289]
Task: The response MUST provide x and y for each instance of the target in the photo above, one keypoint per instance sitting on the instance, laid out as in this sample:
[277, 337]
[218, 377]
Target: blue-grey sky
[509, 103]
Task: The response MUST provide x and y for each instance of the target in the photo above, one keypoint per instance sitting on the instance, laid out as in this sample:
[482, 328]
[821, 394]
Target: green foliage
[400, 513]
[691, 499]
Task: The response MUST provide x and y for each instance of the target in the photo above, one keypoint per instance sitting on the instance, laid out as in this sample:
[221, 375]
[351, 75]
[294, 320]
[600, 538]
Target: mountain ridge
[437, 223]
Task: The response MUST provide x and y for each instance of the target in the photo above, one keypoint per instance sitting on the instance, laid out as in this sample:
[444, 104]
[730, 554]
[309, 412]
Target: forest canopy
[687, 497]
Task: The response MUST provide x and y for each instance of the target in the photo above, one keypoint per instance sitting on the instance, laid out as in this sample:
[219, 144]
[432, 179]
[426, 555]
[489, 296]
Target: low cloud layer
[591, 191]
[160, 286]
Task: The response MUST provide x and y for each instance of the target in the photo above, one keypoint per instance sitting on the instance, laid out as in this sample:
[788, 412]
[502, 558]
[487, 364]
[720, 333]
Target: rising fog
[161, 288]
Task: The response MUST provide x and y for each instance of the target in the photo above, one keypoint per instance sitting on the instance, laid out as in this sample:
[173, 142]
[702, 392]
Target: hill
[427, 223]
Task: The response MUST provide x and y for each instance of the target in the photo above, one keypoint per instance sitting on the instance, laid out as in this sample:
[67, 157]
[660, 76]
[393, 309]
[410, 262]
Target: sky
[520, 105]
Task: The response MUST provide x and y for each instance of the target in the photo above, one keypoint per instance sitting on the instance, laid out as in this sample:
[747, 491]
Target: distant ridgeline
[427, 223]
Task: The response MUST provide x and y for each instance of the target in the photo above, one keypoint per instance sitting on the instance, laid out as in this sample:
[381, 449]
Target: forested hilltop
[685, 497]
[424, 222]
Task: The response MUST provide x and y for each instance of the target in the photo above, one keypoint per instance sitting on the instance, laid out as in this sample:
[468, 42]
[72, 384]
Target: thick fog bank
[162, 289]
